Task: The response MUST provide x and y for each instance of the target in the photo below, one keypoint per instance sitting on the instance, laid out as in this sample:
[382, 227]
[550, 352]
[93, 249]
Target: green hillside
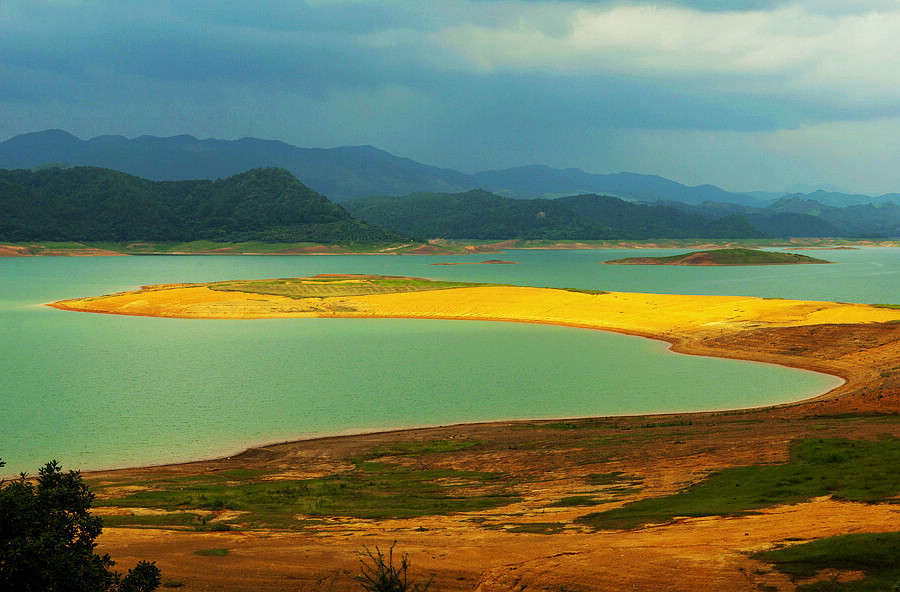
[480, 214]
[93, 204]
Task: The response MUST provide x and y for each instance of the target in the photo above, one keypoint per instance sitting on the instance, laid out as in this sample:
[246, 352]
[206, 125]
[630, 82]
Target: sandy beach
[859, 343]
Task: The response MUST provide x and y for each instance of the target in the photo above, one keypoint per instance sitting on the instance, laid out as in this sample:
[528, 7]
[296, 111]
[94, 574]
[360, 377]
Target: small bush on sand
[379, 574]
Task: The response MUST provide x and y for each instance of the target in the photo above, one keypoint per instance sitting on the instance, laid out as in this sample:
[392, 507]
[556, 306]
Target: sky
[743, 94]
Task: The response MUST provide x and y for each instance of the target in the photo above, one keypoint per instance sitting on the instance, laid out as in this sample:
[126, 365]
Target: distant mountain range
[356, 171]
[412, 198]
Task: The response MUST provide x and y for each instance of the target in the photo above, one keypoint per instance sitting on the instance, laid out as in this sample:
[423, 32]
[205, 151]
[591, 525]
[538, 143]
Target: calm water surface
[99, 391]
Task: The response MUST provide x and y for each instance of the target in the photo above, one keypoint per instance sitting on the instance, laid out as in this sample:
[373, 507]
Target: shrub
[379, 574]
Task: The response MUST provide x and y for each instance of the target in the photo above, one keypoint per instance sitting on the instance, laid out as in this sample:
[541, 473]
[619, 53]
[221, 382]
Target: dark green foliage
[379, 574]
[875, 554]
[575, 501]
[91, 204]
[479, 214]
[658, 220]
[47, 539]
[476, 214]
[215, 552]
[846, 469]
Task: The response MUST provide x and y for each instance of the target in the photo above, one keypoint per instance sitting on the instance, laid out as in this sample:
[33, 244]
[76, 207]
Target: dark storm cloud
[432, 80]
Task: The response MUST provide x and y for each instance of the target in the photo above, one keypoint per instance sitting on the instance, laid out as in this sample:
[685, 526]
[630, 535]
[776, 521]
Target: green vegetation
[613, 478]
[482, 215]
[579, 424]
[47, 538]
[877, 555]
[212, 552]
[426, 447]
[658, 220]
[324, 286]
[370, 490]
[847, 469]
[576, 501]
[721, 257]
[91, 204]
[533, 527]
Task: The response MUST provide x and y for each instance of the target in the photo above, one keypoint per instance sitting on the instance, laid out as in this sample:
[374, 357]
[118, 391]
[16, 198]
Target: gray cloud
[467, 83]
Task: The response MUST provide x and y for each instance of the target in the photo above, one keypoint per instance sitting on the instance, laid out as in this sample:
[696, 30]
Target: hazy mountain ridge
[355, 171]
[799, 216]
[340, 173]
[349, 172]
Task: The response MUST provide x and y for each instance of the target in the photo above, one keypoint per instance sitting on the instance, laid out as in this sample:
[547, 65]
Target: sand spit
[722, 326]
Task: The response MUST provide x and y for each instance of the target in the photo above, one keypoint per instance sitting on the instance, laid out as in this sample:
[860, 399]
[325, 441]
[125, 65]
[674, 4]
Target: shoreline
[777, 321]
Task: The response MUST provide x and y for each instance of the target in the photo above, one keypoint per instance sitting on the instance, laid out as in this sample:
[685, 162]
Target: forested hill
[94, 204]
[480, 214]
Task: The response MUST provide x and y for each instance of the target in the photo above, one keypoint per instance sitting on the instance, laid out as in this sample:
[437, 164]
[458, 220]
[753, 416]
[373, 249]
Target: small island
[722, 257]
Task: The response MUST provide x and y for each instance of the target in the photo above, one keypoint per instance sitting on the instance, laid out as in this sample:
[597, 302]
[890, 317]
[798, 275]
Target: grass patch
[583, 291]
[578, 424]
[613, 478]
[847, 469]
[527, 527]
[212, 552]
[875, 554]
[371, 490]
[577, 501]
[189, 519]
[329, 287]
[868, 415]
[667, 424]
[537, 527]
[885, 305]
[425, 447]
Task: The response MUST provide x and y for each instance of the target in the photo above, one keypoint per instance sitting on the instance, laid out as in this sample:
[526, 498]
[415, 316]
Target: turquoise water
[100, 391]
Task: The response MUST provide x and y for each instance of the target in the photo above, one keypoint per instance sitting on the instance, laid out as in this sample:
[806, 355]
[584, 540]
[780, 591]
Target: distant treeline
[94, 204]
[270, 205]
[480, 214]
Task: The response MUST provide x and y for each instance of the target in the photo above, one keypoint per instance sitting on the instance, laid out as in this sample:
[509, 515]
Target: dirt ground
[488, 551]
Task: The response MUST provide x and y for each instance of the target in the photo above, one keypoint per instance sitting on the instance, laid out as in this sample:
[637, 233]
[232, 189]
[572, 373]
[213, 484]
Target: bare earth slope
[531, 544]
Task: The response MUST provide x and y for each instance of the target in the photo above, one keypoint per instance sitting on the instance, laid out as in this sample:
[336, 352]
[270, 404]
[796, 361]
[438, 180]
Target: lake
[98, 391]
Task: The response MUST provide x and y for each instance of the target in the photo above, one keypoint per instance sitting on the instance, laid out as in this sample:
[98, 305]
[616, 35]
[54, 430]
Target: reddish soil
[312, 250]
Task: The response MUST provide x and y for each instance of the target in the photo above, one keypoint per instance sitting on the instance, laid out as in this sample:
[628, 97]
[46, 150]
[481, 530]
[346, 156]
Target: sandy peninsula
[537, 542]
[705, 325]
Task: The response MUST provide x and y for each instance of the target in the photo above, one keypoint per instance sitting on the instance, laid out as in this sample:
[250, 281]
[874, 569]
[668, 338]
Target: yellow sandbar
[658, 314]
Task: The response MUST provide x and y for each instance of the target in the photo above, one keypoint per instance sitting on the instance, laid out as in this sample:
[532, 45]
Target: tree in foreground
[379, 574]
[47, 539]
